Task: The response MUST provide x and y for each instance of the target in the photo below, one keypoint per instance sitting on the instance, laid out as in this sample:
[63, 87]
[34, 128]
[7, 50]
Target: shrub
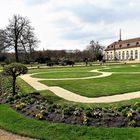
[20, 106]
[14, 70]
[129, 115]
[138, 110]
[68, 110]
[39, 116]
[132, 123]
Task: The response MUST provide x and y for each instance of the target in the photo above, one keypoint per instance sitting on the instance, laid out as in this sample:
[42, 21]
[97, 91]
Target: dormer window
[111, 46]
[128, 44]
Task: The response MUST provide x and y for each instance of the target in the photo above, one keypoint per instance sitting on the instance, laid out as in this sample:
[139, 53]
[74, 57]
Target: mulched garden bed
[35, 106]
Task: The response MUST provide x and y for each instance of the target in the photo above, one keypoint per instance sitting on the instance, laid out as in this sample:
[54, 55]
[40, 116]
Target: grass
[51, 97]
[115, 84]
[123, 68]
[62, 69]
[17, 123]
[24, 87]
[67, 74]
[118, 83]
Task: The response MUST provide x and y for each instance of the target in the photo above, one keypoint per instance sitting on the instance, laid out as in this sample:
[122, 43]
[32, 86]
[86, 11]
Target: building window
[128, 44]
[127, 54]
[123, 55]
[137, 43]
[111, 56]
[116, 56]
[119, 55]
[136, 54]
[120, 46]
[131, 54]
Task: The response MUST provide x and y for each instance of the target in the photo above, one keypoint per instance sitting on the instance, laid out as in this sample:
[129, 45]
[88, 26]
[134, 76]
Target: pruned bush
[14, 70]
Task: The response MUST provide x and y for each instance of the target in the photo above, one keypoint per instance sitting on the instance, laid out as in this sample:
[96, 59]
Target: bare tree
[95, 50]
[18, 34]
[2, 40]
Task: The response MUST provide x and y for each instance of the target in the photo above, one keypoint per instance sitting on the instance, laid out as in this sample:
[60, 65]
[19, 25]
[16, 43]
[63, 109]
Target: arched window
[127, 55]
[123, 55]
[119, 55]
[136, 54]
[131, 54]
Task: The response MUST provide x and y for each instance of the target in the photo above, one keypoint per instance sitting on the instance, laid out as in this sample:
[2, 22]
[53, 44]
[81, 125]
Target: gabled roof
[122, 44]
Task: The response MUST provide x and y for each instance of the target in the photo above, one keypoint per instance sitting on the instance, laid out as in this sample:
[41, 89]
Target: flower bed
[35, 106]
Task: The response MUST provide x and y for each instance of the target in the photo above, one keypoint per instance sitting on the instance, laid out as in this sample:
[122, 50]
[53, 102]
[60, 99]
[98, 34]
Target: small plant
[138, 110]
[20, 106]
[97, 114]
[132, 123]
[125, 111]
[88, 112]
[68, 110]
[77, 112]
[39, 116]
[136, 105]
[85, 119]
[129, 115]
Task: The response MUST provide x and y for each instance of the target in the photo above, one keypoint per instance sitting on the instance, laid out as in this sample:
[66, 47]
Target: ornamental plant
[20, 106]
[14, 70]
[39, 116]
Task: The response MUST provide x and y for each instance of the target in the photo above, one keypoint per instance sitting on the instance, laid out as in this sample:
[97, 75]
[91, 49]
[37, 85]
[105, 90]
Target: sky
[72, 24]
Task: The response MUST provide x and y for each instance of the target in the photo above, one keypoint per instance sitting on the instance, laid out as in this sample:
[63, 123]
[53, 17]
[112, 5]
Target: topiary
[14, 70]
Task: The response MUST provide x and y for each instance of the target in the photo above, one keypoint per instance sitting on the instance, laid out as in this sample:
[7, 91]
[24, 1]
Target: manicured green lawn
[63, 74]
[51, 97]
[17, 123]
[123, 68]
[115, 84]
[64, 69]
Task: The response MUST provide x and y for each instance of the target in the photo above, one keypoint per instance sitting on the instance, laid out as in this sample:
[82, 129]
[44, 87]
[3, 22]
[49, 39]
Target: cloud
[71, 24]
[35, 2]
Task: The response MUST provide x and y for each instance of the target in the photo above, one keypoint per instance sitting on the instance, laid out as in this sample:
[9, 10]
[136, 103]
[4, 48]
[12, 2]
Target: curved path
[4, 135]
[70, 96]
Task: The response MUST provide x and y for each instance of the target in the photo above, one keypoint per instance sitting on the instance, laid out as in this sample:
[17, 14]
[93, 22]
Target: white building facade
[123, 50]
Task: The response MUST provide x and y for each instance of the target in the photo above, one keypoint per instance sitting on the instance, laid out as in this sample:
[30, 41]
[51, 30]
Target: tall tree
[2, 40]
[95, 50]
[17, 34]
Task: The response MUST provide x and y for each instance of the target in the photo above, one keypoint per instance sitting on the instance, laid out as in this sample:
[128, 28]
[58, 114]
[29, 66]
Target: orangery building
[123, 50]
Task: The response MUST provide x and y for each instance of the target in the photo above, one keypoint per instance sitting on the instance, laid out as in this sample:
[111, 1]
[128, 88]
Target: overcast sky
[72, 24]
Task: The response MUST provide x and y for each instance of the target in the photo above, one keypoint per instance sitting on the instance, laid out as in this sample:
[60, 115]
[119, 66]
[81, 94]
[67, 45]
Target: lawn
[65, 74]
[51, 97]
[64, 69]
[122, 81]
[17, 123]
[115, 84]
[123, 68]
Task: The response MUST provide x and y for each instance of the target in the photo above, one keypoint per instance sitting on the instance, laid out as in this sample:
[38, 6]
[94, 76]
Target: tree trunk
[14, 85]
[16, 52]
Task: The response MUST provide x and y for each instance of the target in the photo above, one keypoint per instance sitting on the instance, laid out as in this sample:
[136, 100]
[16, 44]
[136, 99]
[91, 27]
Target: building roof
[123, 44]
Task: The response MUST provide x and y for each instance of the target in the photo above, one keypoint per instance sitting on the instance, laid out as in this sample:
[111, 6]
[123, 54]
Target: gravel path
[70, 96]
[4, 135]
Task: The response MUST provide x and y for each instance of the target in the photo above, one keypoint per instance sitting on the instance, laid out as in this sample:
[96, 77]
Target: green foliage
[20, 106]
[14, 69]
[17, 123]
[5, 84]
